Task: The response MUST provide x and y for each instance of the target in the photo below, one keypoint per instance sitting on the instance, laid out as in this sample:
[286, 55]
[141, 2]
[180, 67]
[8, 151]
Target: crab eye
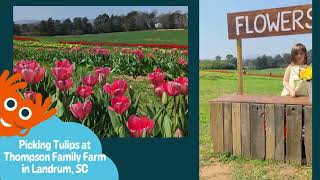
[10, 104]
[25, 113]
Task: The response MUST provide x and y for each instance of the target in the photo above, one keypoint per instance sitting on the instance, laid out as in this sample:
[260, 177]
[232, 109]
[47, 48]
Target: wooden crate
[254, 126]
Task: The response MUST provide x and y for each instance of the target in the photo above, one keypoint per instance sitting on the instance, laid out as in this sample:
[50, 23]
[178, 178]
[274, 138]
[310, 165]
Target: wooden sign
[270, 22]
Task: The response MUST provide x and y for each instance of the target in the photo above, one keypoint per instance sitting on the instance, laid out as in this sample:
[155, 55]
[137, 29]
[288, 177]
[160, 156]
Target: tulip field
[115, 91]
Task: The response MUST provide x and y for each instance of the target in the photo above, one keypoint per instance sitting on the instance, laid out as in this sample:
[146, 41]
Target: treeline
[133, 21]
[262, 62]
[229, 62]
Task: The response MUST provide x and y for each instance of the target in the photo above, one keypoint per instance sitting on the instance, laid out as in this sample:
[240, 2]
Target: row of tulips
[125, 61]
[29, 42]
[21, 38]
[110, 107]
[168, 46]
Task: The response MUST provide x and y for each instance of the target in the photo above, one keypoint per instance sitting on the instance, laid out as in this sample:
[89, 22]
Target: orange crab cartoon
[18, 115]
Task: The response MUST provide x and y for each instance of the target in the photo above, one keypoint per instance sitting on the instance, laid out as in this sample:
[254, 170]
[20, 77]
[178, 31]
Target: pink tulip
[155, 49]
[30, 95]
[64, 85]
[173, 88]
[30, 70]
[184, 84]
[64, 63]
[63, 70]
[124, 50]
[101, 51]
[150, 55]
[139, 54]
[90, 80]
[77, 48]
[103, 70]
[185, 52]
[102, 73]
[84, 91]
[160, 89]
[25, 64]
[81, 111]
[120, 104]
[138, 125]
[33, 75]
[157, 77]
[118, 87]
[182, 61]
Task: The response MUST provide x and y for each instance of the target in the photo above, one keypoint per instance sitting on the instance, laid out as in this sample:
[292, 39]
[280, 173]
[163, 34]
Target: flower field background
[116, 91]
[225, 166]
[175, 36]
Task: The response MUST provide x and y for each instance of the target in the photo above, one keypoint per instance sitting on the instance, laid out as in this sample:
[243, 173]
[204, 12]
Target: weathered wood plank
[279, 132]
[227, 130]
[239, 66]
[216, 116]
[302, 100]
[308, 133]
[245, 130]
[270, 131]
[257, 131]
[294, 128]
[236, 131]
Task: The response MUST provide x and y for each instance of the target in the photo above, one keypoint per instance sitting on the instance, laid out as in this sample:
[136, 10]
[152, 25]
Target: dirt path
[253, 170]
[216, 171]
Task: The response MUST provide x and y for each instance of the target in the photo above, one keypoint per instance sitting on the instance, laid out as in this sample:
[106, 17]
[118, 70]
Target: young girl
[293, 86]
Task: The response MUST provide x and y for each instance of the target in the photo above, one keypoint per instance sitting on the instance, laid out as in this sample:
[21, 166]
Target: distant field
[213, 85]
[179, 37]
[263, 71]
[267, 71]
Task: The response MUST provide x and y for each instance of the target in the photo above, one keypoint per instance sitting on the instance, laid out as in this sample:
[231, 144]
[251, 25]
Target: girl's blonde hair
[295, 50]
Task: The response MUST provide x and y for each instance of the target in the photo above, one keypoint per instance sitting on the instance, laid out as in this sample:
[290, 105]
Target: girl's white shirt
[295, 82]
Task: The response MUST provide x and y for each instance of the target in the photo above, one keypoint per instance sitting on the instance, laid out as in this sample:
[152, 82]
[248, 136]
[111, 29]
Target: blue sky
[213, 29]
[62, 12]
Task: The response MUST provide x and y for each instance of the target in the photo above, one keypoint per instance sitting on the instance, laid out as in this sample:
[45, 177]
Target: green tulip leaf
[60, 108]
[114, 120]
[167, 126]
[156, 129]
[182, 117]
[150, 113]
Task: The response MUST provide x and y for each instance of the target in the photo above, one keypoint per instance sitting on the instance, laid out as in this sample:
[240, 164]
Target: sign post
[239, 66]
[267, 22]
